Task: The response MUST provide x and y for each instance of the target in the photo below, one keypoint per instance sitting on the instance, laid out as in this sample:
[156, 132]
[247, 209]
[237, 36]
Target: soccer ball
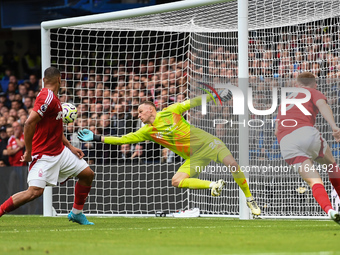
[70, 113]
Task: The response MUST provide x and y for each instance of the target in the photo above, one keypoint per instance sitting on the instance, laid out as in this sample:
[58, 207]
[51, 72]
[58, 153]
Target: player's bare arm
[29, 130]
[76, 151]
[327, 113]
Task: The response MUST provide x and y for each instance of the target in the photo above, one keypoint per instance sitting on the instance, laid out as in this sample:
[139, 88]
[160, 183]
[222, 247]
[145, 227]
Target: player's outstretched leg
[183, 180]
[334, 215]
[79, 218]
[217, 187]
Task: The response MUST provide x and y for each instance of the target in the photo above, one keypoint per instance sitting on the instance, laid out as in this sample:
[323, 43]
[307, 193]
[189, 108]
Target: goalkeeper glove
[86, 135]
[225, 95]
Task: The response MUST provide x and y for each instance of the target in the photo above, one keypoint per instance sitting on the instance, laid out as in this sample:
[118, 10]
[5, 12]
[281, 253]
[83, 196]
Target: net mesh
[110, 67]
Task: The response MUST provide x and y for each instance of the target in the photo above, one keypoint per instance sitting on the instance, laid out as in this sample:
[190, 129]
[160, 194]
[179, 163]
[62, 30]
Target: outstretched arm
[225, 95]
[136, 137]
[125, 139]
[327, 113]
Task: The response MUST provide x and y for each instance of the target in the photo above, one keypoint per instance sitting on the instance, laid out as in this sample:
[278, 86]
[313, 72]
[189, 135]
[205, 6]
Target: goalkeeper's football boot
[217, 188]
[79, 218]
[255, 210]
[334, 216]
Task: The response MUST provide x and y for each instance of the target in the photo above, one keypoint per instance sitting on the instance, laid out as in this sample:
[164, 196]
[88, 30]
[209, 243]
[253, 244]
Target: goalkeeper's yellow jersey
[170, 130]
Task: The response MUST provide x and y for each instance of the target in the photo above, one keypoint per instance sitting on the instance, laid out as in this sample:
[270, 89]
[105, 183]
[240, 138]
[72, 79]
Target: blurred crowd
[107, 97]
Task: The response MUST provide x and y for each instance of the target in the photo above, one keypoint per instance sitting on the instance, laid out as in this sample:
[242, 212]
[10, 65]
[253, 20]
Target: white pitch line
[157, 228]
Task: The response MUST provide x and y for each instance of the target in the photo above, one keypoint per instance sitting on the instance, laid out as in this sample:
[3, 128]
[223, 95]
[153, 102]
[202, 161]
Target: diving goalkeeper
[169, 129]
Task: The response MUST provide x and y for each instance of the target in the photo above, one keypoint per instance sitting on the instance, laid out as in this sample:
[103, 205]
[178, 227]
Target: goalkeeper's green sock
[241, 181]
[194, 183]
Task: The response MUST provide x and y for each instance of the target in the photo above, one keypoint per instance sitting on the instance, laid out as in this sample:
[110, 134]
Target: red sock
[334, 177]
[80, 195]
[321, 197]
[7, 206]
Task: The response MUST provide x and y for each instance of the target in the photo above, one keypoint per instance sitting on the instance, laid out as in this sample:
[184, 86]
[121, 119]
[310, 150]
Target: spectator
[23, 91]
[9, 130]
[105, 123]
[28, 102]
[3, 122]
[11, 89]
[138, 156]
[16, 145]
[125, 153]
[82, 111]
[11, 120]
[34, 82]
[22, 119]
[16, 105]
[3, 145]
[180, 98]
[22, 112]
[3, 100]
[13, 113]
[121, 120]
[107, 105]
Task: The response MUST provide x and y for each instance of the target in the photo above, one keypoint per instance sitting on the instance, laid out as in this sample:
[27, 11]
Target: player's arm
[327, 113]
[187, 104]
[224, 95]
[29, 130]
[130, 138]
[135, 137]
[76, 151]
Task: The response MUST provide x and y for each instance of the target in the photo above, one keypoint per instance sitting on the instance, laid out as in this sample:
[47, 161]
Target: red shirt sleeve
[40, 105]
[316, 95]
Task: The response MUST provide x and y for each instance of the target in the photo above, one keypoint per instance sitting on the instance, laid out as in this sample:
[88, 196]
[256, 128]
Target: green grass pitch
[161, 236]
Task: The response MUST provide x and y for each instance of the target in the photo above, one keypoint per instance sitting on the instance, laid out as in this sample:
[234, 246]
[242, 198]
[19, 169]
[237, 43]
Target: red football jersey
[47, 139]
[14, 160]
[294, 113]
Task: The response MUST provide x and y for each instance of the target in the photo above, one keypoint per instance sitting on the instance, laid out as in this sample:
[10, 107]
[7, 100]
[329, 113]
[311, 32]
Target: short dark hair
[149, 103]
[51, 73]
[306, 78]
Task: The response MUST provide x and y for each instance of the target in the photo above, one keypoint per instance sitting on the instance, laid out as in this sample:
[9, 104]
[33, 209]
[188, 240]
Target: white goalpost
[112, 62]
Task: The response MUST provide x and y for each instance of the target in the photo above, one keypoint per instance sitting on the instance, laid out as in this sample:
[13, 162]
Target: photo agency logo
[204, 97]
[288, 100]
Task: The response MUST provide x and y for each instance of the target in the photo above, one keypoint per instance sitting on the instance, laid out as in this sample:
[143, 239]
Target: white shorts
[49, 170]
[303, 143]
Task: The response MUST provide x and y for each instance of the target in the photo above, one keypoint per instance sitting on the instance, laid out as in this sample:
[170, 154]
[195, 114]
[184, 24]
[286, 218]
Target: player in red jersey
[301, 143]
[52, 158]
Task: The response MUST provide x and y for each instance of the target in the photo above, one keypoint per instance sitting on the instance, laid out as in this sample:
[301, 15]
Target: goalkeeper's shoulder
[175, 107]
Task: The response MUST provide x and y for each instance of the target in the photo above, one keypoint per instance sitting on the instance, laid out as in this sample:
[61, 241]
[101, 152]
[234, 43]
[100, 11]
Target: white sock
[249, 198]
[76, 211]
[329, 212]
[211, 184]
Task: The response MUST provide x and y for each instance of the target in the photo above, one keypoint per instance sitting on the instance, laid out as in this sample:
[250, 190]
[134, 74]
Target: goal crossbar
[131, 13]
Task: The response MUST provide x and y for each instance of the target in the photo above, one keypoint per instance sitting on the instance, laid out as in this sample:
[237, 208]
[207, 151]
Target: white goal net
[109, 67]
